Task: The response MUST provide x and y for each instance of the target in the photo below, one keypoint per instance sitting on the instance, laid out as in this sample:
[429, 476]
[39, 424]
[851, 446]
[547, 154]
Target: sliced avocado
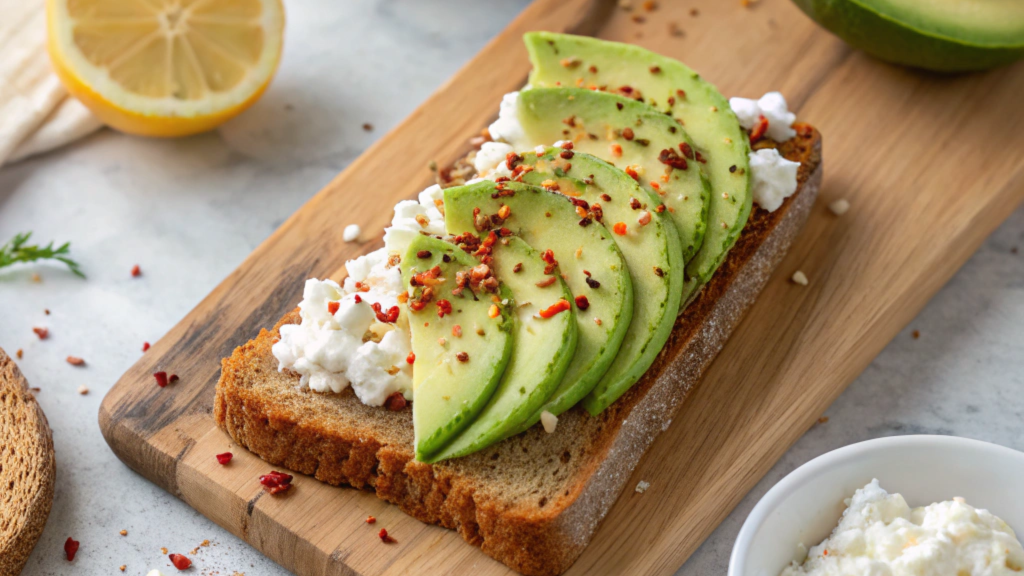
[629, 135]
[674, 89]
[587, 257]
[453, 378]
[941, 35]
[651, 250]
[541, 353]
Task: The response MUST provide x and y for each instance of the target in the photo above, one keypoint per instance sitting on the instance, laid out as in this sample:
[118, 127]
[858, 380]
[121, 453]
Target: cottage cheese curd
[774, 109]
[880, 535]
[351, 347]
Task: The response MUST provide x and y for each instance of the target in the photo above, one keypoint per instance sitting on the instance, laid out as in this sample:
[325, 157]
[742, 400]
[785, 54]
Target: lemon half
[165, 67]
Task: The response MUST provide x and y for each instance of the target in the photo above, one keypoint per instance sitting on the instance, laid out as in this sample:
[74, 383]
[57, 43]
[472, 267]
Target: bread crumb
[368, 127]
[839, 207]
[799, 278]
[915, 334]
[122, 567]
[83, 390]
[823, 420]
[162, 551]
[351, 233]
[19, 353]
[123, 532]
[205, 543]
[549, 421]
[642, 486]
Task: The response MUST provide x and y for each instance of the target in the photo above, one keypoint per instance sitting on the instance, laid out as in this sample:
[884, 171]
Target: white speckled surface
[188, 211]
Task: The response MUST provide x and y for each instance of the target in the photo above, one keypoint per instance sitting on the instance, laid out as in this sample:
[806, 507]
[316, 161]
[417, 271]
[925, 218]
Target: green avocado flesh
[449, 392]
[629, 135]
[567, 60]
[549, 221]
[651, 251]
[941, 35]
[541, 351]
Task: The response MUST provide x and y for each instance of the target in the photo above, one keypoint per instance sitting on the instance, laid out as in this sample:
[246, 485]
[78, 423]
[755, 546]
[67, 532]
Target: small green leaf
[16, 251]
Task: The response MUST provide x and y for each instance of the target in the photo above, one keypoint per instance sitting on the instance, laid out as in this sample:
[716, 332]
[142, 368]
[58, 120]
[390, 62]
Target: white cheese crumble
[839, 207]
[507, 127]
[772, 178]
[880, 535]
[351, 347]
[642, 486]
[799, 278]
[774, 109]
[490, 156]
[351, 233]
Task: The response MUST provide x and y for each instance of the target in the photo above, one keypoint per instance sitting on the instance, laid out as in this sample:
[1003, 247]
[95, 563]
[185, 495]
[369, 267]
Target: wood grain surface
[930, 164]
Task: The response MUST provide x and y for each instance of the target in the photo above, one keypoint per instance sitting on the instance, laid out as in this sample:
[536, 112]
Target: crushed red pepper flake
[43, 333]
[19, 353]
[371, 520]
[582, 302]
[759, 129]
[462, 357]
[145, 346]
[180, 561]
[161, 378]
[75, 361]
[558, 307]
[172, 378]
[71, 548]
[136, 271]
[395, 402]
[224, 458]
[385, 537]
[332, 307]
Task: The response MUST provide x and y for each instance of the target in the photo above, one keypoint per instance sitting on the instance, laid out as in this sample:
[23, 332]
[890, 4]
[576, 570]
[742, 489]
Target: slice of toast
[532, 501]
[27, 469]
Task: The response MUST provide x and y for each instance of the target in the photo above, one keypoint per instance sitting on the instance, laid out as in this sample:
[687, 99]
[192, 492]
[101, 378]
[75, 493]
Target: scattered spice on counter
[83, 390]
[145, 346]
[75, 361]
[180, 561]
[823, 420]
[172, 378]
[70, 548]
[46, 311]
[161, 378]
[385, 537]
[19, 353]
[371, 520]
[915, 334]
[43, 333]
[224, 458]
[367, 127]
[163, 550]
[123, 532]
[123, 567]
[136, 271]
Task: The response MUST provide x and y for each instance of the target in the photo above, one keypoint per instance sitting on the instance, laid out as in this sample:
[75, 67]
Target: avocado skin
[901, 43]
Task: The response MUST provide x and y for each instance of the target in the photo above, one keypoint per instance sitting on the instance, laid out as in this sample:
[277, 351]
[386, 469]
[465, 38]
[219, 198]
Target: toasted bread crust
[534, 500]
[27, 469]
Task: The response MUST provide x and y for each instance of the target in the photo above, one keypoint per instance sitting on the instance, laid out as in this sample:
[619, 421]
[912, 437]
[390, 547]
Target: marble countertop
[189, 211]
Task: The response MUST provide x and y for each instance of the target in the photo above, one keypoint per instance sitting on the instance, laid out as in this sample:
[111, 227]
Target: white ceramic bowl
[806, 505]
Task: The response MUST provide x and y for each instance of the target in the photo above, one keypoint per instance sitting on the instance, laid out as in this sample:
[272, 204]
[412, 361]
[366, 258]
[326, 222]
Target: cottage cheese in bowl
[880, 535]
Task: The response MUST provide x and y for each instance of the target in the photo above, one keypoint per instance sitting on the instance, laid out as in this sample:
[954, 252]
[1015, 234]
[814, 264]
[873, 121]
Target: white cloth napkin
[36, 112]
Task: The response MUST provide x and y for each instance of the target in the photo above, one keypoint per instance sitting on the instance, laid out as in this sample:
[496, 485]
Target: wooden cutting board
[930, 165]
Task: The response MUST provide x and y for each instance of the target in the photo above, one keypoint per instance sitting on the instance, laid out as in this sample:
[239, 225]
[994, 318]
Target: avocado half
[940, 35]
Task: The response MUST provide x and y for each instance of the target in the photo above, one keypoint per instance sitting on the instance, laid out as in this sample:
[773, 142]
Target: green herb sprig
[17, 250]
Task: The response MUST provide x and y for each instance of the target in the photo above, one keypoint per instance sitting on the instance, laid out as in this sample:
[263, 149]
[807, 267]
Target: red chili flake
[645, 218]
[385, 537]
[276, 482]
[417, 305]
[659, 272]
[389, 317]
[172, 378]
[633, 173]
[548, 256]
[619, 228]
[627, 133]
[423, 254]
[759, 129]
[634, 204]
[582, 303]
[566, 154]
[70, 548]
[180, 561]
[655, 69]
[136, 271]
[225, 457]
[75, 361]
[546, 282]
[410, 358]
[43, 333]
[161, 378]
[670, 157]
[395, 402]
[687, 150]
[332, 307]
[561, 306]
[457, 331]
[462, 357]
[145, 346]
[511, 159]
[443, 307]
[358, 299]
[371, 520]
[616, 150]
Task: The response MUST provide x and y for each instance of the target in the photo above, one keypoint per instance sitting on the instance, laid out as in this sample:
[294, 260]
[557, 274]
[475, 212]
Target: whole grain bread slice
[27, 469]
[532, 501]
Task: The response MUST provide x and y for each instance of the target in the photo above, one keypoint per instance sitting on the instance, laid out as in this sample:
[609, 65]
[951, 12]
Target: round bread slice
[27, 469]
